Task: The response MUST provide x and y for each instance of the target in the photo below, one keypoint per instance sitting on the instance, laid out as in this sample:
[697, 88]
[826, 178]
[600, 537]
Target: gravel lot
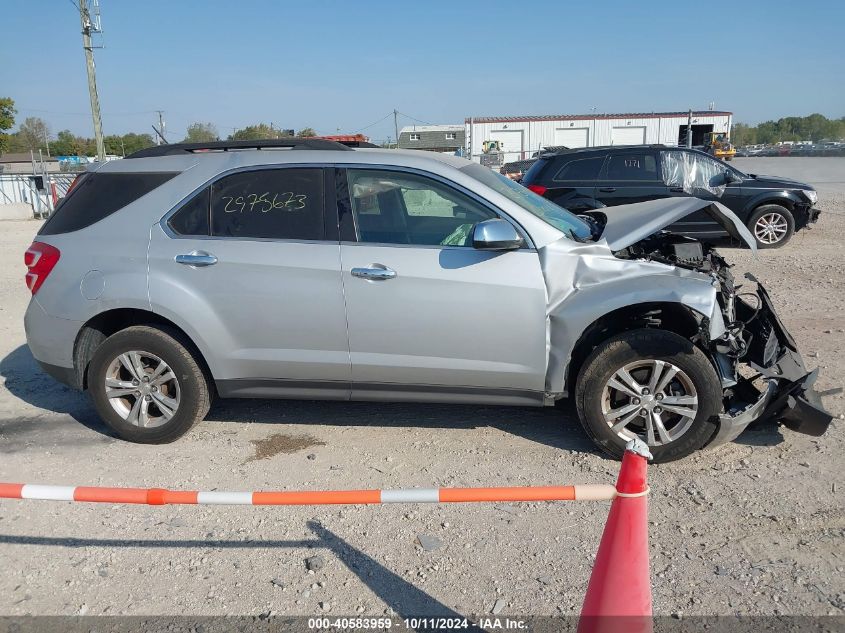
[755, 527]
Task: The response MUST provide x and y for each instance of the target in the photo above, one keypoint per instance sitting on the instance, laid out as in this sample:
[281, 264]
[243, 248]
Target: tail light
[538, 189]
[79, 178]
[40, 258]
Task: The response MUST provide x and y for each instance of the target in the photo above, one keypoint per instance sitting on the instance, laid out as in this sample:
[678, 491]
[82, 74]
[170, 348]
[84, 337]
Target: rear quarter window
[580, 169]
[97, 196]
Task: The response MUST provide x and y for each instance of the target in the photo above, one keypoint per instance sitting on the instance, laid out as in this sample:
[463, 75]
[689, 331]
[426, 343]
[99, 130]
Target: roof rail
[226, 146]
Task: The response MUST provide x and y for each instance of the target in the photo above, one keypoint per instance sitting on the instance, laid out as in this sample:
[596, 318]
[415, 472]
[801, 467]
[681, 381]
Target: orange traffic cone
[618, 596]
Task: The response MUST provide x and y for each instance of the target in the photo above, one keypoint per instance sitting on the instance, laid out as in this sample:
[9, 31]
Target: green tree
[32, 134]
[306, 132]
[201, 133]
[7, 120]
[134, 142]
[257, 132]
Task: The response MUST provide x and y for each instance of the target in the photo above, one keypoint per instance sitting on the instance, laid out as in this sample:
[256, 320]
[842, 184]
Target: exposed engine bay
[763, 375]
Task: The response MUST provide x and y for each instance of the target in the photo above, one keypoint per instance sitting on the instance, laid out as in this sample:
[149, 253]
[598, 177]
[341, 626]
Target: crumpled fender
[585, 282]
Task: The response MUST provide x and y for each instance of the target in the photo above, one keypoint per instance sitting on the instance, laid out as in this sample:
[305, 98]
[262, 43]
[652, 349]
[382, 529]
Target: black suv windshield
[571, 225]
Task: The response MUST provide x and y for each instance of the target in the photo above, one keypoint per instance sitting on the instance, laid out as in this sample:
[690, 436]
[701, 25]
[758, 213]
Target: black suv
[591, 178]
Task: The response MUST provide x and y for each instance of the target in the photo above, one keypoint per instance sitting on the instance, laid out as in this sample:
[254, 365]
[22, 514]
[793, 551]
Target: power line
[389, 114]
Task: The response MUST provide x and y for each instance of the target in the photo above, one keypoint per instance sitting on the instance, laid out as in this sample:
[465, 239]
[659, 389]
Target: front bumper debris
[788, 395]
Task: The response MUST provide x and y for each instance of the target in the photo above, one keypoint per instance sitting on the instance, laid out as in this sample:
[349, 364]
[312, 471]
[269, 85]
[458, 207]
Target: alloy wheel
[652, 400]
[771, 228]
[142, 389]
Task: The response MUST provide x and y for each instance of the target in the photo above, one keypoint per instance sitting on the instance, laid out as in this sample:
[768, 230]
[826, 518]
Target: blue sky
[345, 65]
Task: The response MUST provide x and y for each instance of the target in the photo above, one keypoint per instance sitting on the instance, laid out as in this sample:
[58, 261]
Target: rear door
[248, 267]
[430, 316]
[571, 183]
[630, 176]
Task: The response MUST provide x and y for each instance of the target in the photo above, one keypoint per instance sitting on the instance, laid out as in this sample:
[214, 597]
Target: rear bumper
[51, 340]
[788, 395]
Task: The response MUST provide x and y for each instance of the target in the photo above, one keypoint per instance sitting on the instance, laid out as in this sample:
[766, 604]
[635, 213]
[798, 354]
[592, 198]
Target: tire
[188, 388]
[696, 378]
[781, 218]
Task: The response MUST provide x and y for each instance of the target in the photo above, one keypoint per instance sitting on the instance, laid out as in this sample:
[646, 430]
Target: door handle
[676, 189]
[196, 259]
[374, 273]
[607, 189]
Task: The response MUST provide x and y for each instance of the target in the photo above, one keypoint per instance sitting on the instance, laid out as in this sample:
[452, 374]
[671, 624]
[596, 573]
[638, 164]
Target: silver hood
[629, 223]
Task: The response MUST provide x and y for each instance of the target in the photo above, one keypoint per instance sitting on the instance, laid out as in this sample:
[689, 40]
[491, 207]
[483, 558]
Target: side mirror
[496, 235]
[730, 177]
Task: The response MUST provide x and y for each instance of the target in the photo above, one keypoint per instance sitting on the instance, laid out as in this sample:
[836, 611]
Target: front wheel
[653, 385]
[147, 386]
[772, 225]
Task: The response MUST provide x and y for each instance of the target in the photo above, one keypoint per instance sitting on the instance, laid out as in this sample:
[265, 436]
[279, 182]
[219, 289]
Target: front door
[694, 174]
[428, 315]
[246, 264]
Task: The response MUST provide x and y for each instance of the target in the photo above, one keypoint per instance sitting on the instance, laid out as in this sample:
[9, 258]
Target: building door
[511, 143]
[627, 136]
[572, 137]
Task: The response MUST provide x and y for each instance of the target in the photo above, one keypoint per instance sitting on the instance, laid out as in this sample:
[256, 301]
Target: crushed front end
[759, 362]
[762, 373]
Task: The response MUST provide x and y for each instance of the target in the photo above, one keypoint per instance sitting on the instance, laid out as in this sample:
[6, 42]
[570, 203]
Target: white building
[521, 136]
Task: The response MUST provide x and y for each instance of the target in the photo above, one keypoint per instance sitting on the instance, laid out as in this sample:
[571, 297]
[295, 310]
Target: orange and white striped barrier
[159, 496]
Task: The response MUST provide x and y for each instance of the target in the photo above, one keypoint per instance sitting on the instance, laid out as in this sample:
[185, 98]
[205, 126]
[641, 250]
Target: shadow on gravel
[25, 380]
[403, 597]
[557, 427]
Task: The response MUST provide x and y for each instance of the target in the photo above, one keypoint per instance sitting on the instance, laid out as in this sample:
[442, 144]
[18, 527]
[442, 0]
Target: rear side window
[581, 169]
[97, 196]
[192, 218]
[632, 167]
[285, 204]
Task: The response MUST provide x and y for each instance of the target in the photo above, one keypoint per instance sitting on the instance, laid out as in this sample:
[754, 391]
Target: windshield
[571, 225]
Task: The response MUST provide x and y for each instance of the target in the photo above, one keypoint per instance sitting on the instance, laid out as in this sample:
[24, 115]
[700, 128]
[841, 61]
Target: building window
[450, 136]
[415, 137]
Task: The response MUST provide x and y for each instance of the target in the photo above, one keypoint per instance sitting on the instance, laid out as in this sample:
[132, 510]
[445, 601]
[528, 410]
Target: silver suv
[306, 269]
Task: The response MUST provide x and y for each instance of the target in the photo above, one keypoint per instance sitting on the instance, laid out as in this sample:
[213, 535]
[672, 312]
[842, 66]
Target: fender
[769, 196]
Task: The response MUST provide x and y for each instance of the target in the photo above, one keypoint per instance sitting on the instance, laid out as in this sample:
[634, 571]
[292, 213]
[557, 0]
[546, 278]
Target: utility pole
[87, 29]
[396, 126]
[161, 124]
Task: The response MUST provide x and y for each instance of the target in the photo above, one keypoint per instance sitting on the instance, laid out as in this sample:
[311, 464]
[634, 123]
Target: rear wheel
[652, 385]
[147, 386]
[772, 225]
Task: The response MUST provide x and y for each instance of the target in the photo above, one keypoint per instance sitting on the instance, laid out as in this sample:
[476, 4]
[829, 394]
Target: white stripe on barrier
[225, 498]
[421, 495]
[594, 492]
[51, 493]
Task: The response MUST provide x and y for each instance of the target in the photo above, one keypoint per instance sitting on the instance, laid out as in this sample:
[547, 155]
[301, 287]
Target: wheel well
[103, 325]
[786, 203]
[673, 317]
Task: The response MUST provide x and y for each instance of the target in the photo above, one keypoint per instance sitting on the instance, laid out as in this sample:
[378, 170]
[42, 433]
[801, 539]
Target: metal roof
[581, 117]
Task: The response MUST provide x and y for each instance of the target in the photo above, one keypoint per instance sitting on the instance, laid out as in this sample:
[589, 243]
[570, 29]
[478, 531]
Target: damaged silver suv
[306, 269]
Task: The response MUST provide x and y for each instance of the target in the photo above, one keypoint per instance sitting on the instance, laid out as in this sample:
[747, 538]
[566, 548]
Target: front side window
[558, 217]
[401, 208]
[632, 167]
[694, 172]
[284, 204]
[580, 170]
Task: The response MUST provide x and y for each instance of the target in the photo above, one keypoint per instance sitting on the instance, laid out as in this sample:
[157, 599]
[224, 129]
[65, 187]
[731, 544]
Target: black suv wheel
[772, 225]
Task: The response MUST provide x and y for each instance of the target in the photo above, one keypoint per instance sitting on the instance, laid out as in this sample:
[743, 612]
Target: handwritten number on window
[287, 200]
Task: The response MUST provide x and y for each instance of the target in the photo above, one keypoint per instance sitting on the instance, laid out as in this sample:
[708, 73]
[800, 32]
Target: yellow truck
[719, 145]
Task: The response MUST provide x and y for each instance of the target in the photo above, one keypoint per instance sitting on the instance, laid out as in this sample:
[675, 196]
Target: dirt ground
[755, 527]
